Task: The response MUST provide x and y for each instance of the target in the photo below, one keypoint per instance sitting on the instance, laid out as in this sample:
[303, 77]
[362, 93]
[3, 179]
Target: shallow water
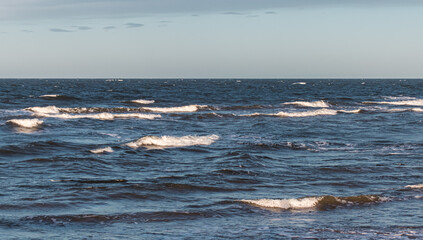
[227, 158]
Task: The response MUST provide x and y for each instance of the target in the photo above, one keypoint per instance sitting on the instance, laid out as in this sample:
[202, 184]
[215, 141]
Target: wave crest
[315, 104]
[155, 142]
[142, 101]
[417, 102]
[26, 123]
[188, 108]
[102, 150]
[318, 203]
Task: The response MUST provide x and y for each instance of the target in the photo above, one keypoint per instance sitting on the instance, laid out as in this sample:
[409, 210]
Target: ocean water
[211, 159]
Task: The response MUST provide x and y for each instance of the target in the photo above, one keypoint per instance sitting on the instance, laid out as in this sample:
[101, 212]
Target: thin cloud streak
[53, 9]
[61, 30]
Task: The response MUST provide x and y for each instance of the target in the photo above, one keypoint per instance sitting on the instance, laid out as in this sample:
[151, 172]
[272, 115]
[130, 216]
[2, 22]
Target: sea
[211, 159]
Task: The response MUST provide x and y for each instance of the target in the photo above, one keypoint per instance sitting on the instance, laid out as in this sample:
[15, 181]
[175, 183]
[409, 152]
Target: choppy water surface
[246, 159]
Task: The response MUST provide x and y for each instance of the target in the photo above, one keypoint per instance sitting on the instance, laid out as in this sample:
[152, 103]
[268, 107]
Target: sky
[211, 39]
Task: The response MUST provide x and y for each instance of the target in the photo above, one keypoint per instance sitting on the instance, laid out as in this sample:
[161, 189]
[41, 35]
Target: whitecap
[49, 96]
[320, 202]
[286, 204]
[101, 116]
[142, 101]
[299, 83]
[417, 186]
[319, 112]
[416, 102]
[26, 123]
[155, 142]
[354, 111]
[44, 110]
[315, 104]
[102, 150]
[188, 108]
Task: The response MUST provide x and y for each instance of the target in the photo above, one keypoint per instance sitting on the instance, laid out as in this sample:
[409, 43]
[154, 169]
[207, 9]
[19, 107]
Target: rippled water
[246, 159]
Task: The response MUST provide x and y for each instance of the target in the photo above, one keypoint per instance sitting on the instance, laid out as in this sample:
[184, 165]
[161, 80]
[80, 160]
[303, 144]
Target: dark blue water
[245, 159]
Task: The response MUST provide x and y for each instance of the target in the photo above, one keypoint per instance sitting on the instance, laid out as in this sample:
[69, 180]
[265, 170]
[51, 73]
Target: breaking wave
[317, 203]
[101, 116]
[417, 186]
[142, 101]
[296, 114]
[416, 102]
[57, 96]
[44, 110]
[155, 142]
[102, 150]
[26, 123]
[188, 108]
[315, 104]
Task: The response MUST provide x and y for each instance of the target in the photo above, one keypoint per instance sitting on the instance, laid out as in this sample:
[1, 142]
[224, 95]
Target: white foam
[50, 96]
[44, 110]
[417, 102]
[142, 101]
[417, 186]
[295, 114]
[354, 111]
[101, 116]
[102, 150]
[315, 104]
[188, 108]
[299, 83]
[26, 123]
[155, 142]
[286, 204]
[318, 112]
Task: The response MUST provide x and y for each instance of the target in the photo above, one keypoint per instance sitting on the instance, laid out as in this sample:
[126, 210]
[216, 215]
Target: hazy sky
[211, 38]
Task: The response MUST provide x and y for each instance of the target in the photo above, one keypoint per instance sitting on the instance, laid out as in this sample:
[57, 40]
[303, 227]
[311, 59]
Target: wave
[57, 96]
[315, 104]
[26, 123]
[142, 101]
[102, 150]
[101, 116]
[317, 203]
[417, 186]
[154, 142]
[188, 108]
[319, 112]
[299, 83]
[44, 110]
[417, 102]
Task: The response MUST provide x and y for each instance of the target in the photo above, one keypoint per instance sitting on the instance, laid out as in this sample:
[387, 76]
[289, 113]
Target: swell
[36, 147]
[158, 216]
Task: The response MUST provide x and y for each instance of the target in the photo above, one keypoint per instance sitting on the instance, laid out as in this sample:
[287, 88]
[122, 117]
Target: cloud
[233, 13]
[82, 28]
[59, 30]
[133, 25]
[53, 9]
[270, 12]
[109, 27]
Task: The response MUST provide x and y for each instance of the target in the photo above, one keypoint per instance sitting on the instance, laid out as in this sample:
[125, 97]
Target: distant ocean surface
[211, 159]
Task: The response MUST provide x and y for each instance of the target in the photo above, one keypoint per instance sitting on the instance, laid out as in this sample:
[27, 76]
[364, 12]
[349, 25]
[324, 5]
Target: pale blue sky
[211, 38]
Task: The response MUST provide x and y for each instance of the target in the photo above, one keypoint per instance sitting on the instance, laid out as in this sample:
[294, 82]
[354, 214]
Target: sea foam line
[417, 102]
[315, 104]
[100, 116]
[142, 101]
[313, 113]
[188, 108]
[155, 142]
